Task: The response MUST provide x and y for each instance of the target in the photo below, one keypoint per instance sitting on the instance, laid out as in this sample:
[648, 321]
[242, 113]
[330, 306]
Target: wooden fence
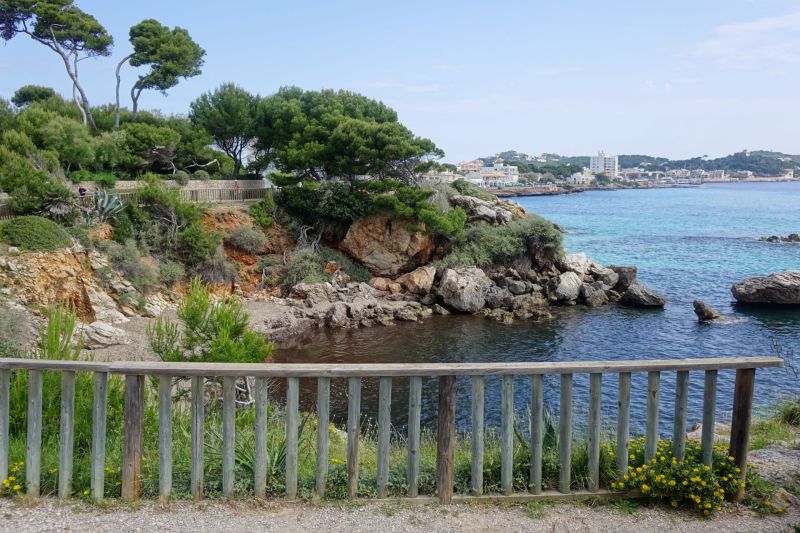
[135, 372]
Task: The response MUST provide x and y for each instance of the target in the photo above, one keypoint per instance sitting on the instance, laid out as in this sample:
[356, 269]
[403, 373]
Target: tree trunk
[119, 80]
[135, 94]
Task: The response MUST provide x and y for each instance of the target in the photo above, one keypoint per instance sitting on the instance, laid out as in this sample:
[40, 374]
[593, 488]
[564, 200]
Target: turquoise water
[688, 243]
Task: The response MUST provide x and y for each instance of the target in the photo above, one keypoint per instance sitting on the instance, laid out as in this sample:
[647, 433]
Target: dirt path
[380, 517]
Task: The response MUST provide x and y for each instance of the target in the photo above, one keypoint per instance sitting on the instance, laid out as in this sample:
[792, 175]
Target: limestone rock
[477, 209]
[464, 289]
[627, 277]
[704, 311]
[418, 281]
[640, 296]
[100, 334]
[498, 298]
[565, 287]
[578, 263]
[386, 247]
[780, 288]
[337, 316]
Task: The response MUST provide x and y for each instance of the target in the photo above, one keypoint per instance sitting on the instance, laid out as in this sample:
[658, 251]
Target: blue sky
[676, 78]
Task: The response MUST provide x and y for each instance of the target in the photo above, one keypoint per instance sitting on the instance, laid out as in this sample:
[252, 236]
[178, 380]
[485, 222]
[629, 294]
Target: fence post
[5, 390]
[260, 473]
[198, 435]
[323, 423]
[565, 434]
[353, 428]
[445, 438]
[651, 432]
[292, 428]
[414, 413]
[709, 411]
[134, 433]
[99, 407]
[384, 434]
[507, 435]
[740, 422]
[164, 437]
[476, 441]
[33, 461]
[67, 434]
[623, 423]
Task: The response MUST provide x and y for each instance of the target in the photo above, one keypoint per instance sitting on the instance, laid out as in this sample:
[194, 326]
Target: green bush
[105, 180]
[350, 267]
[122, 227]
[128, 261]
[264, 212]
[247, 239]
[201, 175]
[305, 266]
[468, 189]
[35, 234]
[216, 268]
[484, 244]
[196, 245]
[181, 177]
[789, 412]
[81, 235]
[170, 272]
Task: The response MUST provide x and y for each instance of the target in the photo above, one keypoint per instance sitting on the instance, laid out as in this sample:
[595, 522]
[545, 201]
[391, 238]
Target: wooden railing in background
[447, 374]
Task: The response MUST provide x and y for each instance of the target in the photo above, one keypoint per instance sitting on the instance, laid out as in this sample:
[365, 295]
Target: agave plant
[106, 207]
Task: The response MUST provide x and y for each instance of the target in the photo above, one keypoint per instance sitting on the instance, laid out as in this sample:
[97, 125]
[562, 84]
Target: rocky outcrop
[640, 296]
[483, 210]
[565, 287]
[780, 288]
[464, 289]
[418, 281]
[578, 263]
[102, 335]
[704, 312]
[386, 247]
[626, 276]
[792, 238]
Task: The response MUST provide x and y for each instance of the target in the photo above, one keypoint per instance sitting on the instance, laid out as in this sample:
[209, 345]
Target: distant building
[579, 178]
[604, 164]
[443, 177]
[469, 166]
[497, 175]
[717, 175]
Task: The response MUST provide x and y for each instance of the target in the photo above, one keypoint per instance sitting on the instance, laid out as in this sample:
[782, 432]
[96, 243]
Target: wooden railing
[135, 372]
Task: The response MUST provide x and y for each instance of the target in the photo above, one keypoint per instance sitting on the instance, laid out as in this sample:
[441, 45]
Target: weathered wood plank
[292, 428]
[595, 404]
[507, 435]
[681, 405]
[623, 423]
[740, 422]
[134, 438]
[228, 434]
[414, 415]
[33, 459]
[313, 370]
[651, 431]
[198, 436]
[477, 443]
[384, 434]
[260, 470]
[565, 434]
[99, 407]
[5, 392]
[709, 417]
[67, 434]
[323, 422]
[164, 437]
[353, 430]
[445, 438]
[537, 432]
[53, 364]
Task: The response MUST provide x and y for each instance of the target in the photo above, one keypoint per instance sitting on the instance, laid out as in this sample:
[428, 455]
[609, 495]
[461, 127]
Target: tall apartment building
[604, 164]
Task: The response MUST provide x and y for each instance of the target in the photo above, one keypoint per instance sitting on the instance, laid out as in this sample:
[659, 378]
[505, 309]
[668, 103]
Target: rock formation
[780, 288]
[704, 312]
[386, 247]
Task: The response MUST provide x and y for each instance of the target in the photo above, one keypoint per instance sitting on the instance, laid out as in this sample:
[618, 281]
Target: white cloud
[769, 40]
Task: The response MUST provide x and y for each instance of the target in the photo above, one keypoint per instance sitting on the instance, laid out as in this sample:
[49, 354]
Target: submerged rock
[465, 289]
[780, 288]
[791, 238]
[640, 296]
[704, 311]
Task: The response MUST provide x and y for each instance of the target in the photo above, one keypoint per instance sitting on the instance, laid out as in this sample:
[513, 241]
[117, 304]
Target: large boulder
[704, 312]
[101, 335]
[477, 209]
[780, 288]
[640, 296]
[565, 287]
[578, 263]
[386, 247]
[418, 281]
[626, 276]
[464, 289]
[499, 297]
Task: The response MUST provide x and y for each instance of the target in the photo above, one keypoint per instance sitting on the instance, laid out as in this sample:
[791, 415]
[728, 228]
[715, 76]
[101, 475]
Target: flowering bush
[12, 484]
[688, 482]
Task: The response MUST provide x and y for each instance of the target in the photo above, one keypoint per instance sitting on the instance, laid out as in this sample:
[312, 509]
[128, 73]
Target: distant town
[550, 172]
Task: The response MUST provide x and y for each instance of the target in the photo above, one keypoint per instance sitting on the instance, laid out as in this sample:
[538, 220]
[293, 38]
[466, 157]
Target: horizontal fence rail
[447, 373]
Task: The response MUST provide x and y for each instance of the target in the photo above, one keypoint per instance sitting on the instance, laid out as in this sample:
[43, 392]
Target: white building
[604, 164]
[497, 175]
[579, 178]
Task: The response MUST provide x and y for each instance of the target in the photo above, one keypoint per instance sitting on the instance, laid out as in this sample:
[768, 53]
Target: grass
[535, 509]
[625, 507]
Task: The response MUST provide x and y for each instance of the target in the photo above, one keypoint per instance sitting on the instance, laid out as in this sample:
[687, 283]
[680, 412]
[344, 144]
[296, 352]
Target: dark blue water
[687, 243]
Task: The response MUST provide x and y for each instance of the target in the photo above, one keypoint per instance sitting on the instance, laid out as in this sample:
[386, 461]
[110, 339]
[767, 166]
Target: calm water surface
[688, 243]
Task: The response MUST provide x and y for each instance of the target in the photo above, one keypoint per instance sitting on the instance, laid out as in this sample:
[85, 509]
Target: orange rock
[386, 247]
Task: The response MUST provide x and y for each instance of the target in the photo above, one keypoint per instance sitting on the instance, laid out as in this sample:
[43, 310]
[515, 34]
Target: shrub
[264, 212]
[350, 267]
[247, 239]
[122, 228]
[789, 412]
[216, 268]
[81, 235]
[105, 180]
[201, 175]
[468, 189]
[209, 332]
[682, 483]
[170, 272]
[181, 177]
[34, 234]
[196, 245]
[10, 333]
[128, 261]
[305, 266]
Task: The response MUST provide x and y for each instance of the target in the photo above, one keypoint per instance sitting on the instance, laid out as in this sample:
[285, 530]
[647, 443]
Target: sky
[673, 78]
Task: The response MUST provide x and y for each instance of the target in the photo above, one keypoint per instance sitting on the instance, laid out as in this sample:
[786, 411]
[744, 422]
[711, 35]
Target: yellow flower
[645, 487]
[17, 487]
[685, 483]
[5, 483]
[673, 503]
[625, 477]
[12, 478]
[730, 458]
[86, 492]
[706, 512]
[671, 482]
[706, 468]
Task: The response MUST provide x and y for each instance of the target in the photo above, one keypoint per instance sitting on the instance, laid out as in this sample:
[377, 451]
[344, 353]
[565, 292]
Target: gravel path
[377, 516]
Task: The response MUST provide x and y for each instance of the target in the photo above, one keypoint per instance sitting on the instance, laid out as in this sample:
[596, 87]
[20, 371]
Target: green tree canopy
[227, 114]
[65, 29]
[170, 54]
[322, 134]
[31, 93]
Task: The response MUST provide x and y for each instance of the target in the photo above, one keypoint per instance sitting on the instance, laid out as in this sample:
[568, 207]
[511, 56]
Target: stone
[704, 311]
[337, 316]
[406, 314]
[104, 307]
[791, 238]
[381, 284]
[578, 263]
[13, 250]
[516, 286]
[386, 247]
[638, 295]
[498, 298]
[100, 334]
[418, 281]
[439, 310]
[606, 276]
[526, 303]
[565, 287]
[464, 289]
[627, 277]
[314, 293]
[477, 209]
[779, 288]
[331, 267]
[593, 296]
